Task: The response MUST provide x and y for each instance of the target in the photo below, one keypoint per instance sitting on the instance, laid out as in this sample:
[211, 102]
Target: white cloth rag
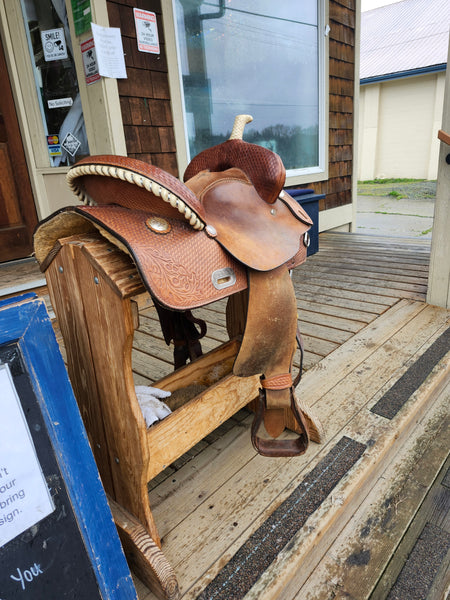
[150, 401]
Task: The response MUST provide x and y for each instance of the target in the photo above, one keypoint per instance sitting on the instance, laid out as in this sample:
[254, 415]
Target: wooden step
[375, 522]
[216, 509]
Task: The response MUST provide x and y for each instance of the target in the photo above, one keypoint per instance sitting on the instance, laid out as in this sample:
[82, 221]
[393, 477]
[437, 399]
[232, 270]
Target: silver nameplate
[223, 278]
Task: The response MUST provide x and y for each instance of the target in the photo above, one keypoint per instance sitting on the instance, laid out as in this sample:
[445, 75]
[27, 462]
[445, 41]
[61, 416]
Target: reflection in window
[56, 80]
[259, 58]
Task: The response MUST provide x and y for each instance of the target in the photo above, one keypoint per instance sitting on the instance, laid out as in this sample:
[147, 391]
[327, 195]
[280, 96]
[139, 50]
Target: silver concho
[158, 225]
[306, 239]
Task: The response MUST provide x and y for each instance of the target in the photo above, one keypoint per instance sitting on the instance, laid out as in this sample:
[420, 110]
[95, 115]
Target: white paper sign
[146, 31]
[24, 496]
[60, 103]
[109, 50]
[54, 44]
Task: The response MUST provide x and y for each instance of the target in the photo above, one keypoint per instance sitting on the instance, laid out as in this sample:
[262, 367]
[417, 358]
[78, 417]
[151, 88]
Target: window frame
[293, 177]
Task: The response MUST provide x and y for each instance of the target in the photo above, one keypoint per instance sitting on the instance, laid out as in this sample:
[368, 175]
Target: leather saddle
[229, 228]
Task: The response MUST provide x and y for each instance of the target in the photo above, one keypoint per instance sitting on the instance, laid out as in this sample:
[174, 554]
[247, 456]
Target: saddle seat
[230, 227]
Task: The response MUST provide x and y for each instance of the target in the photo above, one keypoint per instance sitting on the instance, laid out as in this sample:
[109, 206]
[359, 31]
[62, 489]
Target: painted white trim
[335, 217]
[101, 107]
[439, 273]
[294, 177]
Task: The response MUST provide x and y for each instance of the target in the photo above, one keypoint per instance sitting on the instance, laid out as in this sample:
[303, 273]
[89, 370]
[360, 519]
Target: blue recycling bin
[309, 201]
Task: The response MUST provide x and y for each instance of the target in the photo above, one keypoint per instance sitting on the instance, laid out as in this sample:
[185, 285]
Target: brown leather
[176, 267]
[110, 190]
[277, 382]
[268, 350]
[262, 236]
[263, 167]
[273, 447]
[230, 227]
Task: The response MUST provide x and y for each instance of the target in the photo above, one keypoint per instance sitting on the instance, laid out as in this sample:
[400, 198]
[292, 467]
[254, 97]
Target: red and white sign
[90, 61]
[146, 31]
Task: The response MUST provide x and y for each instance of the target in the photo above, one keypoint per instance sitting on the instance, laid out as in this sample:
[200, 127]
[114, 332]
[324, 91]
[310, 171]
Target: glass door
[56, 81]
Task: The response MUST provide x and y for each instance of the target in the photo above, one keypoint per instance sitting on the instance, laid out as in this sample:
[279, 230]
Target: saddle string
[180, 327]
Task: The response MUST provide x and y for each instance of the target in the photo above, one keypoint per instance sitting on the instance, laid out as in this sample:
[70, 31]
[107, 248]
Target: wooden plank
[330, 320]
[368, 238]
[319, 346]
[149, 366]
[330, 298]
[341, 313]
[377, 256]
[153, 346]
[345, 291]
[228, 496]
[361, 249]
[383, 245]
[379, 292]
[323, 332]
[381, 257]
[360, 281]
[144, 555]
[372, 273]
[169, 439]
[424, 512]
[361, 551]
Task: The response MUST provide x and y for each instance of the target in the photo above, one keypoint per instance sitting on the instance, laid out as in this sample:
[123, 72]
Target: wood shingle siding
[146, 108]
[144, 95]
[338, 187]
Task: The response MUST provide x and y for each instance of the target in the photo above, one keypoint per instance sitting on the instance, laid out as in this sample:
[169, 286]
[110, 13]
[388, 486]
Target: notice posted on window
[24, 495]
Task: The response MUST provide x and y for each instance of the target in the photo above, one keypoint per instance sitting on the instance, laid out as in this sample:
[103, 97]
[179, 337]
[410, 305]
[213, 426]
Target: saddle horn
[263, 167]
[240, 121]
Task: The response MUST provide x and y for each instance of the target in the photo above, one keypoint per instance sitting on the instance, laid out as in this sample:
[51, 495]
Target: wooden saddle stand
[229, 231]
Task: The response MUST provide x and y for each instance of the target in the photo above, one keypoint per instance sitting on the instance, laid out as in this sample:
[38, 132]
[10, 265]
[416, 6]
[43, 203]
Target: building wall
[144, 95]
[338, 187]
[146, 108]
[399, 121]
[134, 116]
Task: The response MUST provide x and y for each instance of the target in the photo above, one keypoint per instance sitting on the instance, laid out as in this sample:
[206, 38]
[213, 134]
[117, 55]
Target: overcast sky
[369, 4]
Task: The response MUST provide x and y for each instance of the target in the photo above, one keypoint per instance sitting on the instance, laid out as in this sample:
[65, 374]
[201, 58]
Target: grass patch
[381, 212]
[427, 231]
[396, 194]
[383, 181]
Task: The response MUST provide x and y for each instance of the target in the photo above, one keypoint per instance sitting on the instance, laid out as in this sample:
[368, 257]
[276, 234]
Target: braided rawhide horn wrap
[240, 121]
[134, 178]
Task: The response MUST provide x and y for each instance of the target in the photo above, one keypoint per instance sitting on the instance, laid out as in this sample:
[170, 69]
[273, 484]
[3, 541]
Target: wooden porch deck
[365, 322]
[350, 282]
[237, 525]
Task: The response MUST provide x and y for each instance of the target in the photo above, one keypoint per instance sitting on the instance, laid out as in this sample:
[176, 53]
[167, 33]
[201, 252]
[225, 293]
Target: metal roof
[411, 35]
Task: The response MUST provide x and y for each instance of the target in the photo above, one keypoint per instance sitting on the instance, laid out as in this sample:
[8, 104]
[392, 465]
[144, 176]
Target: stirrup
[272, 447]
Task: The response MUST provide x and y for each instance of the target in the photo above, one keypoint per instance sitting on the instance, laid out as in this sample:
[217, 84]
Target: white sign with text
[24, 496]
[54, 44]
[109, 51]
[146, 31]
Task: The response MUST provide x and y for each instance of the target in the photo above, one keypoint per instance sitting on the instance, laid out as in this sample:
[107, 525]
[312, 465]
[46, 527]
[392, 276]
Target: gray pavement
[397, 209]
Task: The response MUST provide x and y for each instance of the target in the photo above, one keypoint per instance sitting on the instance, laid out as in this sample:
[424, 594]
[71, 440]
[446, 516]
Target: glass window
[260, 58]
[56, 80]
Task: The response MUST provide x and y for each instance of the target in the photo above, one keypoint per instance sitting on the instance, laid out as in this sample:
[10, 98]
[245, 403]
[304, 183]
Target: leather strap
[274, 447]
[179, 327]
[268, 347]
[277, 382]
[302, 351]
